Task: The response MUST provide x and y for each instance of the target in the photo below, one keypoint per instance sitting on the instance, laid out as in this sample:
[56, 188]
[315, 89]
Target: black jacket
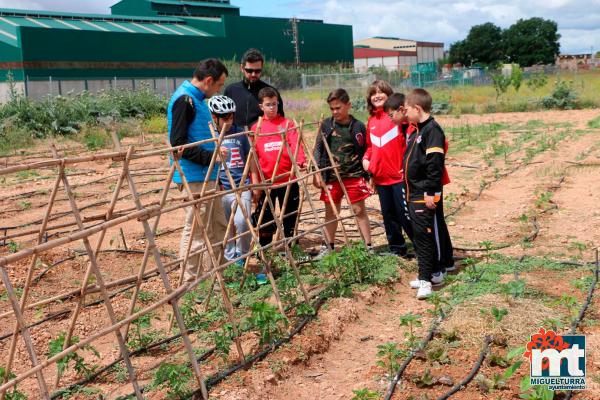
[358, 131]
[424, 160]
[245, 97]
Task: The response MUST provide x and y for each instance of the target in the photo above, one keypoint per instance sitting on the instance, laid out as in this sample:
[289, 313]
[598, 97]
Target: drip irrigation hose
[587, 303]
[462, 384]
[64, 313]
[411, 356]
[219, 376]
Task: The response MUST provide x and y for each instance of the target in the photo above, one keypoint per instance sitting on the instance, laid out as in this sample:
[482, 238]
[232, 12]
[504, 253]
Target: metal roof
[66, 15]
[194, 3]
[11, 21]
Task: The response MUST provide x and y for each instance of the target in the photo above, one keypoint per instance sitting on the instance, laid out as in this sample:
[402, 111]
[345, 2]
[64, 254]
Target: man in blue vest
[188, 119]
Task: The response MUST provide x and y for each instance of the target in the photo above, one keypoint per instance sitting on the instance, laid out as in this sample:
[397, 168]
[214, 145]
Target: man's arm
[182, 116]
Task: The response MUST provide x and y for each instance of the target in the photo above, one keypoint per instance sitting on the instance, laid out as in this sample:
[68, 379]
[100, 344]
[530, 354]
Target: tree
[483, 45]
[532, 41]
[457, 54]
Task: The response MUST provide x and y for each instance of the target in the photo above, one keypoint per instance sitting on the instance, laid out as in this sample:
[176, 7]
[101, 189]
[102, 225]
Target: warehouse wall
[322, 43]
[89, 54]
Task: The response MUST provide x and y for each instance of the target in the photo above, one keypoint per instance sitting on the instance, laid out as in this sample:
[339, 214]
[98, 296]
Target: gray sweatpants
[241, 245]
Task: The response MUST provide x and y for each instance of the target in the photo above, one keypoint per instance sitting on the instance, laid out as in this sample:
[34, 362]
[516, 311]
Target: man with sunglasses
[245, 92]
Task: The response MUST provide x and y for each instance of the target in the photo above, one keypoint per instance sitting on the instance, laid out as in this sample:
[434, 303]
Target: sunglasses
[253, 70]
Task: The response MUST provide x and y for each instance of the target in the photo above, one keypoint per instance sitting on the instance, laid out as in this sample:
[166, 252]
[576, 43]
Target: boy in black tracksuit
[424, 169]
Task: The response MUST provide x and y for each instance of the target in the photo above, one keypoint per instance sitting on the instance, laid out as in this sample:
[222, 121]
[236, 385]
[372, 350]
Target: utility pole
[295, 40]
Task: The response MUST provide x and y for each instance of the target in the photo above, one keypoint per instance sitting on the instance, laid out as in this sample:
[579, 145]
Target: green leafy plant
[438, 352]
[424, 381]
[570, 303]
[530, 392]
[79, 365]
[12, 393]
[364, 394]
[13, 247]
[515, 288]
[438, 303]
[501, 84]
[389, 357]
[554, 324]
[500, 381]
[143, 334]
[563, 96]
[267, 320]
[120, 373]
[175, 378]
[412, 321]
[537, 81]
[497, 313]
[516, 77]
[223, 340]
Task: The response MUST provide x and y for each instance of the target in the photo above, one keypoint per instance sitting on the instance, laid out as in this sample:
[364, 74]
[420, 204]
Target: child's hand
[224, 152]
[372, 184]
[365, 164]
[317, 182]
[256, 195]
[430, 202]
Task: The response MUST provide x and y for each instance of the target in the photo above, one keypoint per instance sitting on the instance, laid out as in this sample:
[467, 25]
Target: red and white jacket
[385, 149]
[268, 147]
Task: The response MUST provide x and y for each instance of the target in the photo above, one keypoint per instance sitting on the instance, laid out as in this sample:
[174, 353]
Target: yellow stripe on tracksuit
[434, 150]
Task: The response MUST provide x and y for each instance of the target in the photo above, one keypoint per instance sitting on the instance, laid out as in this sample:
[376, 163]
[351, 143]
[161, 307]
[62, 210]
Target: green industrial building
[156, 38]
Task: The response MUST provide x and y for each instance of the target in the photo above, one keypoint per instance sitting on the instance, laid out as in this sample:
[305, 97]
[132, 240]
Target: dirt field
[529, 191]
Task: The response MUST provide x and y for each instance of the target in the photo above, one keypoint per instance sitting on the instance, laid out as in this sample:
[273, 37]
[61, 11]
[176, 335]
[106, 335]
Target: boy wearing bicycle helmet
[222, 109]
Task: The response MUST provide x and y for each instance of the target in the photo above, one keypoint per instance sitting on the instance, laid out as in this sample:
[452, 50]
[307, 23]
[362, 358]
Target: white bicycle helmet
[221, 105]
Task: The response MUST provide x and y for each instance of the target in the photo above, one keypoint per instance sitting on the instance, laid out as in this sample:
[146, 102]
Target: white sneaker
[424, 290]
[322, 253]
[436, 279]
[451, 268]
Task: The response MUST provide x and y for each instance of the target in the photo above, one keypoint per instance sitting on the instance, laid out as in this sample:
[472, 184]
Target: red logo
[545, 340]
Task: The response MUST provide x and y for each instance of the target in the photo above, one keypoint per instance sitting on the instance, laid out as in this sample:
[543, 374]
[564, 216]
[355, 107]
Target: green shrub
[563, 96]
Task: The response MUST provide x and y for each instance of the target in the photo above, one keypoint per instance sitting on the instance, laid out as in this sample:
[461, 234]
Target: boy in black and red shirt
[424, 166]
[345, 136]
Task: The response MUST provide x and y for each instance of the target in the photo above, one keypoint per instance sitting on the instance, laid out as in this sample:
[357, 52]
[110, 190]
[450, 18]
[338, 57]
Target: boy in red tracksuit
[383, 160]
[267, 149]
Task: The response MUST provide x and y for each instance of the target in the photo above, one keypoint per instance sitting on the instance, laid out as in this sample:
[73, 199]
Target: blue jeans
[394, 211]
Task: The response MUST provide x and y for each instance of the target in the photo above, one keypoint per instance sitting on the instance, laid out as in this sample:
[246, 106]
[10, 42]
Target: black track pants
[432, 240]
[289, 222]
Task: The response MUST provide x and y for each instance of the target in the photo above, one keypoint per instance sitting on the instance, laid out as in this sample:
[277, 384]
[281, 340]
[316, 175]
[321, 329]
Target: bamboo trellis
[90, 231]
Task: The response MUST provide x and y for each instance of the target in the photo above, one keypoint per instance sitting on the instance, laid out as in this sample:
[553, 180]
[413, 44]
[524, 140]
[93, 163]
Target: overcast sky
[438, 20]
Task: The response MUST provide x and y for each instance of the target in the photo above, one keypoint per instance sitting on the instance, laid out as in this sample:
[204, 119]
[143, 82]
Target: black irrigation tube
[587, 303]
[60, 314]
[60, 393]
[219, 376]
[434, 326]
[82, 254]
[462, 384]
